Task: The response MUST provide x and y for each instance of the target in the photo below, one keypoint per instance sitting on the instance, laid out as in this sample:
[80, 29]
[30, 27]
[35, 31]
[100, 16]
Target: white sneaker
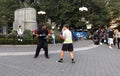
[21, 40]
[110, 47]
[18, 39]
[100, 43]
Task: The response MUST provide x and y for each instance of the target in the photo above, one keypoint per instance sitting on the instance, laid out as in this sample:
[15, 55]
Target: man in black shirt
[96, 39]
[42, 41]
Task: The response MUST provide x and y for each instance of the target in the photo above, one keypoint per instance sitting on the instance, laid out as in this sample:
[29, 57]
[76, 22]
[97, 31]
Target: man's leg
[70, 49]
[21, 38]
[54, 40]
[37, 50]
[118, 42]
[64, 48]
[46, 50]
[61, 56]
[114, 41]
[18, 37]
[72, 56]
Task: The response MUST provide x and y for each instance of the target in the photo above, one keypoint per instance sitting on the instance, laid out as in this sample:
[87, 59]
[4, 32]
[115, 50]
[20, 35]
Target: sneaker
[110, 47]
[100, 43]
[60, 61]
[47, 57]
[73, 61]
[21, 40]
[18, 39]
[35, 57]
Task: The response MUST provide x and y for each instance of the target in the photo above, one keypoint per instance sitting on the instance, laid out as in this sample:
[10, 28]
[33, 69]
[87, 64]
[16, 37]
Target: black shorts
[67, 47]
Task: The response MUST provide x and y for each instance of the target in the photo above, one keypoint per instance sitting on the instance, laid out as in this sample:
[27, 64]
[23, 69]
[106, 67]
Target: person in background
[34, 33]
[118, 39]
[101, 35]
[67, 44]
[96, 39]
[115, 36]
[53, 37]
[110, 38]
[106, 36]
[20, 33]
[42, 35]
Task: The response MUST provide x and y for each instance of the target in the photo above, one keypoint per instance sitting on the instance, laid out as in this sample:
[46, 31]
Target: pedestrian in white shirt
[20, 33]
[110, 38]
[67, 44]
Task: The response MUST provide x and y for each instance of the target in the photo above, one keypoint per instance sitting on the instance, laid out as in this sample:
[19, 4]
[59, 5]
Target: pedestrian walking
[53, 38]
[106, 36]
[42, 35]
[96, 39]
[101, 35]
[67, 44]
[115, 40]
[110, 38]
[118, 39]
[20, 33]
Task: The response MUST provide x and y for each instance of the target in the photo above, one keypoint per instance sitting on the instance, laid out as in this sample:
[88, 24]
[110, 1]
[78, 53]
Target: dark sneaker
[60, 61]
[35, 57]
[47, 57]
[73, 61]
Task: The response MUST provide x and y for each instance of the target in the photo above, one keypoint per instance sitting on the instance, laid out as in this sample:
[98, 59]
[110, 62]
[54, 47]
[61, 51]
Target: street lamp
[83, 9]
[53, 27]
[42, 13]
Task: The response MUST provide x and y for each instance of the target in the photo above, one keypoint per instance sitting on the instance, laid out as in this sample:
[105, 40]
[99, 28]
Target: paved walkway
[96, 61]
[11, 50]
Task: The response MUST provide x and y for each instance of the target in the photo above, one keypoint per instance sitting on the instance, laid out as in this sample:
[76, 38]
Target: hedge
[25, 41]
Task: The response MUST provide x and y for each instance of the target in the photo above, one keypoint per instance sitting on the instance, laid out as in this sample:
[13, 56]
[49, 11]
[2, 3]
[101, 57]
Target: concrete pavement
[97, 61]
[30, 49]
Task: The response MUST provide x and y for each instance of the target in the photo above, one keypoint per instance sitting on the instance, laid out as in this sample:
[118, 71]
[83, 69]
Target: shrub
[16, 42]
[27, 34]
[2, 36]
[13, 34]
[11, 38]
[57, 39]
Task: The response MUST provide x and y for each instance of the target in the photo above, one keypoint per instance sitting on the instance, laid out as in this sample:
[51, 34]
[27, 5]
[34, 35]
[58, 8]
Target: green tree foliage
[67, 11]
[98, 13]
[114, 7]
[7, 8]
[64, 11]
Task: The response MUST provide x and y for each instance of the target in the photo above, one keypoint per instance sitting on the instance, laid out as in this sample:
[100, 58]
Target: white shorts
[110, 40]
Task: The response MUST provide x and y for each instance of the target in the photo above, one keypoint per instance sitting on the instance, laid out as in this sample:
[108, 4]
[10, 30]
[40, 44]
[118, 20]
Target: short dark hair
[66, 25]
[19, 25]
[41, 25]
